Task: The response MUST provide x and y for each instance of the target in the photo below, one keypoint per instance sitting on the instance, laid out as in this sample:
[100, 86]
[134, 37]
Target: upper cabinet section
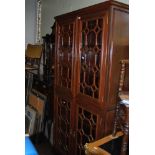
[89, 46]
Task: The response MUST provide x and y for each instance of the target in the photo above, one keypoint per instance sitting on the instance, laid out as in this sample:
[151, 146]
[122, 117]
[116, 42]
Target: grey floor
[44, 149]
[42, 145]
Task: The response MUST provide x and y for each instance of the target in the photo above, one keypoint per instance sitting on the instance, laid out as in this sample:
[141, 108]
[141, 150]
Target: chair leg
[125, 139]
[124, 145]
[116, 120]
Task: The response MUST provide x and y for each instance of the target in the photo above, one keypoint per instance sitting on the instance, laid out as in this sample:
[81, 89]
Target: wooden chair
[122, 108]
[33, 57]
[121, 121]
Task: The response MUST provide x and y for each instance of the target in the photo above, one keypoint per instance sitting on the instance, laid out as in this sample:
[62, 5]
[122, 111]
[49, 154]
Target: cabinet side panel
[119, 51]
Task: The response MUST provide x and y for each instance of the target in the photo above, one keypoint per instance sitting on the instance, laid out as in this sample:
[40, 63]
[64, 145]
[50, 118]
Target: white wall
[30, 21]
[52, 8]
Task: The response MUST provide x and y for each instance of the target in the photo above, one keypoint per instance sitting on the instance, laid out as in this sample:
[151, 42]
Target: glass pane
[99, 40]
[91, 24]
[91, 39]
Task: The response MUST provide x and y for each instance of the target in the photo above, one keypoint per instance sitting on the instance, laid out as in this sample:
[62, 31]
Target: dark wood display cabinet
[89, 45]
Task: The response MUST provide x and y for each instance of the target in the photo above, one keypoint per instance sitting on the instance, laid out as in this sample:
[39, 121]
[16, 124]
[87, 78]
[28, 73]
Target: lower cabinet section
[74, 126]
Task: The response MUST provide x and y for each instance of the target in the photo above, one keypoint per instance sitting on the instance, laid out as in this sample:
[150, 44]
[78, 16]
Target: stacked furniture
[39, 86]
[89, 45]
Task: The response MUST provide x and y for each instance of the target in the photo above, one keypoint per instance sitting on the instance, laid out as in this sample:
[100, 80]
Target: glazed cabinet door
[64, 56]
[64, 86]
[92, 53]
[62, 125]
[91, 79]
[89, 122]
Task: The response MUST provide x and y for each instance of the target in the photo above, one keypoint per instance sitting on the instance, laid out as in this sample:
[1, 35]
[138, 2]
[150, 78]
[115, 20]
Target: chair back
[33, 54]
[124, 76]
